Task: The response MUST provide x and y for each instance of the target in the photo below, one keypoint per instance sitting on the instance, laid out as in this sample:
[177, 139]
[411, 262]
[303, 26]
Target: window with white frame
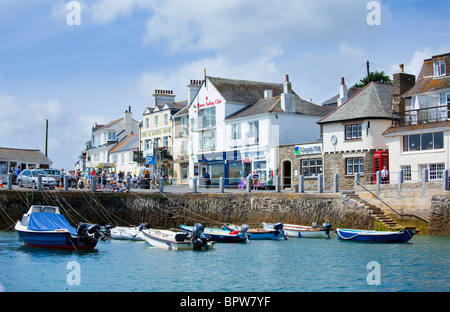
[423, 141]
[156, 122]
[353, 131]
[439, 68]
[166, 141]
[147, 123]
[208, 117]
[406, 169]
[166, 119]
[354, 165]
[111, 135]
[435, 171]
[236, 131]
[253, 130]
[311, 167]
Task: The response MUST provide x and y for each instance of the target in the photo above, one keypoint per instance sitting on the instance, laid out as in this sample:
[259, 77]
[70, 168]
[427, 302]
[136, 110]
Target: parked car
[53, 173]
[29, 178]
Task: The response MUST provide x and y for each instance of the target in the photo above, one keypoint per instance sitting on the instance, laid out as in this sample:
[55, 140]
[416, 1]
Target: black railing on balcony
[422, 115]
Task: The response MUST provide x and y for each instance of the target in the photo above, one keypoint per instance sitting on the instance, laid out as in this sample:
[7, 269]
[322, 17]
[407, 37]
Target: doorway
[286, 172]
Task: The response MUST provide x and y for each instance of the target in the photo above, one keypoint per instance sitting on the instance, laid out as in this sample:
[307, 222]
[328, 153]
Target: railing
[422, 115]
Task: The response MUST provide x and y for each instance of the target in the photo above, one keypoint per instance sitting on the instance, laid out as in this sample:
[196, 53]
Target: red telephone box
[380, 159]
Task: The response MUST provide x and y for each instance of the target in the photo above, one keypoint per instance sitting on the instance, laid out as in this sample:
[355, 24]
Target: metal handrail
[398, 213]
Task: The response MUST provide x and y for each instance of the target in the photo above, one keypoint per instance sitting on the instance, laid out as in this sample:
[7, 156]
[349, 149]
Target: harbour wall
[169, 210]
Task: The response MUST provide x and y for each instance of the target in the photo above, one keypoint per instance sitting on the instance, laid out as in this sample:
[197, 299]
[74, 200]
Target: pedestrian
[207, 179]
[384, 175]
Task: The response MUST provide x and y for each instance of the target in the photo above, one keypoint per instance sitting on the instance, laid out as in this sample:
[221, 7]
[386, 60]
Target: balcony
[199, 124]
[422, 115]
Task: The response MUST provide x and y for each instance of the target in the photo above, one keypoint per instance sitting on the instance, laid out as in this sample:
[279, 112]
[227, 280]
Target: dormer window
[439, 69]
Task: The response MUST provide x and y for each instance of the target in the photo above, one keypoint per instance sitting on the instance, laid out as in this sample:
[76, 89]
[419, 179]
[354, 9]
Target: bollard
[277, 184]
[301, 184]
[221, 186]
[424, 182]
[93, 183]
[161, 185]
[66, 183]
[400, 182]
[378, 177]
[39, 182]
[248, 186]
[128, 183]
[356, 182]
[320, 183]
[194, 185]
[444, 180]
[335, 183]
[10, 181]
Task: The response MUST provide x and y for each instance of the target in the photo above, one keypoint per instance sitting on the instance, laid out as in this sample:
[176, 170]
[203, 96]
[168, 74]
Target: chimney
[343, 93]
[128, 121]
[287, 98]
[161, 97]
[193, 88]
[268, 93]
[402, 83]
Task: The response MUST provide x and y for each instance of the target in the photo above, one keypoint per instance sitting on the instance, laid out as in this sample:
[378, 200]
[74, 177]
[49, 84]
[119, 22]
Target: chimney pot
[287, 78]
[342, 81]
[402, 68]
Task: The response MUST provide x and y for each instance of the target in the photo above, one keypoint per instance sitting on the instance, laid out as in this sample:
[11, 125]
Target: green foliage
[374, 76]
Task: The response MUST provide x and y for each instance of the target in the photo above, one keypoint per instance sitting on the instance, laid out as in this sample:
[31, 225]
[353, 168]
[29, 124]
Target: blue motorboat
[374, 236]
[223, 236]
[45, 226]
[275, 233]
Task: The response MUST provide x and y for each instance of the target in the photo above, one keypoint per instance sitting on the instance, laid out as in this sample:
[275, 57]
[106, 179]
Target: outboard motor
[198, 238]
[278, 227]
[327, 227]
[314, 225]
[107, 229]
[144, 226]
[82, 229]
[96, 231]
[244, 229]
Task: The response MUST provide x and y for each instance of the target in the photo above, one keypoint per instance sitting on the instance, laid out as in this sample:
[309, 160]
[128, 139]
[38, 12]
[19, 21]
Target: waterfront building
[106, 137]
[156, 132]
[13, 158]
[419, 136]
[236, 127]
[122, 155]
[352, 133]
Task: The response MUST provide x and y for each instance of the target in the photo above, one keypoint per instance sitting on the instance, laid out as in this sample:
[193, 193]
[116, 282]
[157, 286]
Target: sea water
[293, 265]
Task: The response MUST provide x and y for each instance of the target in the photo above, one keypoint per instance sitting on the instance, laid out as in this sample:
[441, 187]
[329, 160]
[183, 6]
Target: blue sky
[76, 75]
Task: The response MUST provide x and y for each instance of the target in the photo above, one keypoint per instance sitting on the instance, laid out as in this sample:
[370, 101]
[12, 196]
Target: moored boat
[260, 234]
[171, 240]
[127, 233]
[303, 231]
[223, 236]
[374, 236]
[45, 226]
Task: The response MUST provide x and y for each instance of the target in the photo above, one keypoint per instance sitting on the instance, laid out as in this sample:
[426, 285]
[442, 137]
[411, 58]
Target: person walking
[207, 179]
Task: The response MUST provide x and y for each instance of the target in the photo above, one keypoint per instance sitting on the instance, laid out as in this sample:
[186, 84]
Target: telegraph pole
[46, 137]
[368, 73]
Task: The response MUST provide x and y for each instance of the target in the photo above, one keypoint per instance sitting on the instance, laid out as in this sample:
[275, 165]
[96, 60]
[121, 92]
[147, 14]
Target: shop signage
[210, 102]
[309, 149]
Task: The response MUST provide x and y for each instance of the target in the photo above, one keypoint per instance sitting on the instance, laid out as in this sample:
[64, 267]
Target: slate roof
[273, 105]
[128, 143]
[373, 101]
[23, 155]
[333, 101]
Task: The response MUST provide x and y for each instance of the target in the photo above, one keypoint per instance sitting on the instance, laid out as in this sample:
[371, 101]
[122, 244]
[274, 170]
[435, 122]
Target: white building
[420, 137]
[236, 127]
[105, 137]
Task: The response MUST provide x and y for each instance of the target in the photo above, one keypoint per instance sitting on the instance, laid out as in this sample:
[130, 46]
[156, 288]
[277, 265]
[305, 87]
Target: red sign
[210, 103]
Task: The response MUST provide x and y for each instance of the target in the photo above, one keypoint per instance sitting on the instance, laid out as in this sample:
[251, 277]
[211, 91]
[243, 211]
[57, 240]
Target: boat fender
[144, 226]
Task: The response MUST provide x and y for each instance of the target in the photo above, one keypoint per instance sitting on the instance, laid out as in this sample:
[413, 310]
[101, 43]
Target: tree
[374, 76]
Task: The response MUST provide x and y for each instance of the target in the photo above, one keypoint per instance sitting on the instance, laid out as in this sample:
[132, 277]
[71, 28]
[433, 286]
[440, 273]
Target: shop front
[223, 164]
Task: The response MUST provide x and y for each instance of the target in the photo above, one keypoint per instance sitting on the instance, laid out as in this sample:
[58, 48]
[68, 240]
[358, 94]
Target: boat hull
[54, 240]
[257, 234]
[127, 233]
[374, 236]
[300, 231]
[166, 240]
[221, 236]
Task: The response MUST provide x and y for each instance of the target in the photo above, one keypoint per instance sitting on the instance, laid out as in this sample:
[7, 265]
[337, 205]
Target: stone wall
[171, 210]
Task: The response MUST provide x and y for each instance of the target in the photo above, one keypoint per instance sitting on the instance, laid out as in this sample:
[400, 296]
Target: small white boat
[171, 240]
[127, 233]
[303, 231]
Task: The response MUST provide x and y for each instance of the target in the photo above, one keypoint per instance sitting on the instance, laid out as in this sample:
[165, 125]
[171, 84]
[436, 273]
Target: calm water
[295, 265]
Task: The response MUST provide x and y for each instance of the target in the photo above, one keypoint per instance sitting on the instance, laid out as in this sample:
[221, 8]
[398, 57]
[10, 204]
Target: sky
[75, 63]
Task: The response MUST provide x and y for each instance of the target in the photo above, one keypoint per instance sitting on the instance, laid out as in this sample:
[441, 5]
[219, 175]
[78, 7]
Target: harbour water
[294, 265]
